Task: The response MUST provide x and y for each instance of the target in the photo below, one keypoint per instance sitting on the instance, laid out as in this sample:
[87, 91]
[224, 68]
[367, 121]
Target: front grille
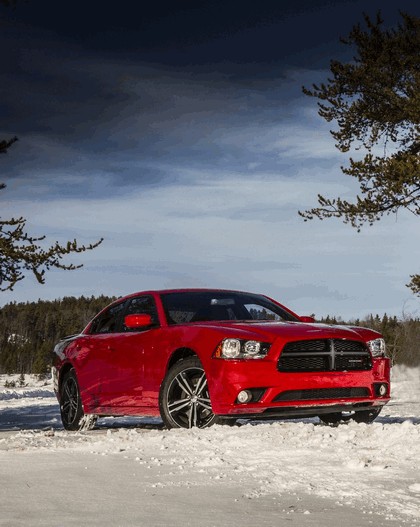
[322, 393]
[324, 355]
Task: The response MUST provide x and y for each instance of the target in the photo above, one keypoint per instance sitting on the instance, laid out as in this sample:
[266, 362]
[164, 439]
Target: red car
[197, 357]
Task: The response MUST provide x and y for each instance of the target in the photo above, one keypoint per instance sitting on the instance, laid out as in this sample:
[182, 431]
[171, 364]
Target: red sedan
[198, 357]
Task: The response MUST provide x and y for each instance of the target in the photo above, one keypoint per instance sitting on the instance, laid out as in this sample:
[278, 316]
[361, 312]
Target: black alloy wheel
[71, 409]
[184, 399]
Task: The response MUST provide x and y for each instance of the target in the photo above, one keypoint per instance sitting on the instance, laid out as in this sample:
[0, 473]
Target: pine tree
[375, 102]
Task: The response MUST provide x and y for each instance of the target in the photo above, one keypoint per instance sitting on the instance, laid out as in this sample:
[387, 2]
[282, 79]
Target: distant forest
[29, 331]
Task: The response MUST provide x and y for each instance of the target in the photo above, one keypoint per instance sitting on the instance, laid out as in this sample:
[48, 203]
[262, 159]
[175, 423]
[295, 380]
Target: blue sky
[179, 133]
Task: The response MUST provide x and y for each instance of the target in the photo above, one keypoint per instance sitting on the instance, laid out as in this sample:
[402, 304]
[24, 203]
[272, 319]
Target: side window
[109, 321]
[142, 305]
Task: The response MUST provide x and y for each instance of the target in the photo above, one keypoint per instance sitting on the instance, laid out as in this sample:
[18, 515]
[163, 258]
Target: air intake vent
[324, 355]
[322, 393]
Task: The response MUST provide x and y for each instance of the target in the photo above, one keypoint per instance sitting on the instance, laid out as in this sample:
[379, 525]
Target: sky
[178, 132]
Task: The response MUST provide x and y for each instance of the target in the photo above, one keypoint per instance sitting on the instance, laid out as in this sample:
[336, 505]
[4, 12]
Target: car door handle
[110, 348]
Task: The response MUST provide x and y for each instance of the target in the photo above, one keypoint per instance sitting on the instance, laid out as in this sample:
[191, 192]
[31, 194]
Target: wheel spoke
[184, 383]
[195, 414]
[68, 410]
[67, 391]
[205, 403]
[201, 385]
[190, 416]
[176, 406]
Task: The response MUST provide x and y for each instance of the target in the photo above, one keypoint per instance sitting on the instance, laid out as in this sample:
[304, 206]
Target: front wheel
[184, 399]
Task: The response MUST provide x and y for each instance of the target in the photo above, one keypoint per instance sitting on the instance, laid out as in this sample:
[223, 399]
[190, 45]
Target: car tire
[367, 416]
[364, 416]
[71, 409]
[334, 419]
[184, 399]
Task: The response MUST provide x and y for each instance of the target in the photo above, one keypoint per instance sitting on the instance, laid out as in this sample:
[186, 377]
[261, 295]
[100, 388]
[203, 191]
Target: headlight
[241, 349]
[377, 347]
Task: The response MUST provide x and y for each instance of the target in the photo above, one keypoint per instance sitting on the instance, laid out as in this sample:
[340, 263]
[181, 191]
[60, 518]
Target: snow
[134, 472]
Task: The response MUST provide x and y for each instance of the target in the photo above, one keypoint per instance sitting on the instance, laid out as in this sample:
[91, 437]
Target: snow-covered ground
[133, 472]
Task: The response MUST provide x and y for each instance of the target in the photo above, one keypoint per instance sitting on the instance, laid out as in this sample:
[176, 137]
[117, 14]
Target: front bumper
[280, 394]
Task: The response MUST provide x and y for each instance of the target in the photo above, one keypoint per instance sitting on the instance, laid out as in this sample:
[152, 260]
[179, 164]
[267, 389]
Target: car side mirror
[137, 321]
[309, 320]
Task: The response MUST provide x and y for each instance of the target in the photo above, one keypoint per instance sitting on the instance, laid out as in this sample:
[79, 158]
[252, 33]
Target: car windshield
[200, 306]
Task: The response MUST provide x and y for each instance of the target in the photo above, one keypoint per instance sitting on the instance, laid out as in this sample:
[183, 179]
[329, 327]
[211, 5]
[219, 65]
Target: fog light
[244, 396]
[382, 389]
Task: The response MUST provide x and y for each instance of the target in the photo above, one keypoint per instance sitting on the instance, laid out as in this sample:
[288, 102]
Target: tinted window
[109, 321]
[259, 312]
[181, 308]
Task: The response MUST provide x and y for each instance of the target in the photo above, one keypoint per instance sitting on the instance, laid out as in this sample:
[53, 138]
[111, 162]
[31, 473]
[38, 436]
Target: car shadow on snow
[30, 417]
[42, 417]
[393, 420]
[148, 423]
[155, 423]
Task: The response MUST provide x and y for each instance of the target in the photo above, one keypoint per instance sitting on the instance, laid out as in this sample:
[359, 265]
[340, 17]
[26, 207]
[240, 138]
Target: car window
[142, 305]
[192, 306]
[109, 321]
[259, 312]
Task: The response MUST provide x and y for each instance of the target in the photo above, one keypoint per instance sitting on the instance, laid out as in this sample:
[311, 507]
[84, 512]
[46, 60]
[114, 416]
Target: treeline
[29, 331]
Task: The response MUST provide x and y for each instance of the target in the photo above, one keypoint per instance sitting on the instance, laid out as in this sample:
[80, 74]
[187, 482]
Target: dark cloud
[180, 32]
[135, 93]
[185, 33]
[133, 123]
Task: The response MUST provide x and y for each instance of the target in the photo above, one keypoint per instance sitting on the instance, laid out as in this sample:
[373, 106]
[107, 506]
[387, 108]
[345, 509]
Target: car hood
[269, 331]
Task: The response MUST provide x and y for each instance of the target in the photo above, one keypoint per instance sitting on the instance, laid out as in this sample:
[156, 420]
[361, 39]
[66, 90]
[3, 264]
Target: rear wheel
[71, 409]
[184, 399]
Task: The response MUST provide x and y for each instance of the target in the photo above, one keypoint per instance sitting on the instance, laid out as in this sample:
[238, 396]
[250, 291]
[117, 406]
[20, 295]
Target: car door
[97, 362]
[124, 357]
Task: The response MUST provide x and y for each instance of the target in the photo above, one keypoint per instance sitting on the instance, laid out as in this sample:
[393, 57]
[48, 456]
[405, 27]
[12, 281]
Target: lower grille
[324, 355]
[322, 393]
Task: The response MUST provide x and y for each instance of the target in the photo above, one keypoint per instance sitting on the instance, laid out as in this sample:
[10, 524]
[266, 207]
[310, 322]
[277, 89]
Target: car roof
[187, 290]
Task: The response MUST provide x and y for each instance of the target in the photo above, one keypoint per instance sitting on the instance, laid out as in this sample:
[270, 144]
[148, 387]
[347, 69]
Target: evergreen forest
[29, 331]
